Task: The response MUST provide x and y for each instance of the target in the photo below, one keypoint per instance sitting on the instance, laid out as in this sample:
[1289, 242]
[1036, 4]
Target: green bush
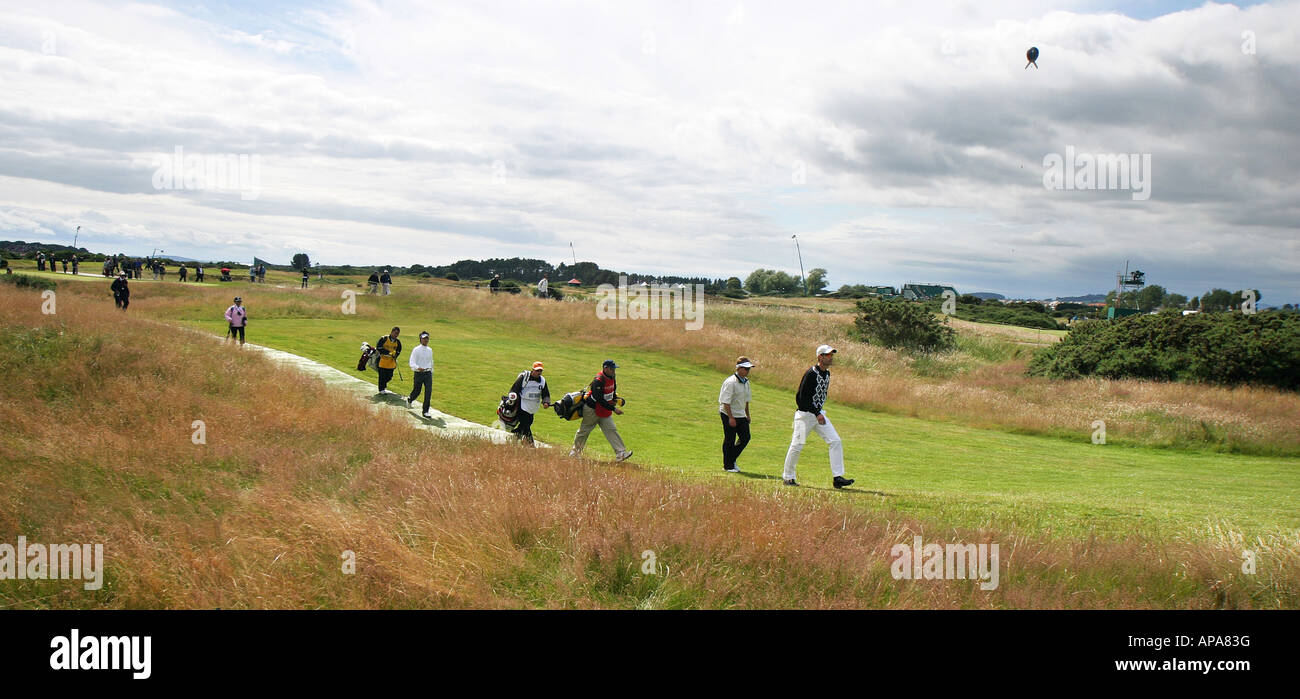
[1025, 314]
[23, 281]
[901, 324]
[452, 276]
[1226, 349]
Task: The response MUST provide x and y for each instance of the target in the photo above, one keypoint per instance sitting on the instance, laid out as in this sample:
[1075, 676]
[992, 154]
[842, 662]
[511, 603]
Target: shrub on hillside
[901, 324]
[1023, 314]
[1227, 349]
[24, 281]
[452, 276]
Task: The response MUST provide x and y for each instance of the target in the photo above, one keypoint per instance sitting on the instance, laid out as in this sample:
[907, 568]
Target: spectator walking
[237, 317]
[121, 292]
[304, 277]
[495, 284]
[373, 281]
[387, 281]
[543, 289]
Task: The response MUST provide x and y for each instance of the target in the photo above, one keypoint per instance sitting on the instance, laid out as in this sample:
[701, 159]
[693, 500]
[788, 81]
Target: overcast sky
[900, 141]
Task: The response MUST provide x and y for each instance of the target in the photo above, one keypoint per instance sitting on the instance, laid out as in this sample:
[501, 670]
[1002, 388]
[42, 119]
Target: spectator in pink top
[237, 317]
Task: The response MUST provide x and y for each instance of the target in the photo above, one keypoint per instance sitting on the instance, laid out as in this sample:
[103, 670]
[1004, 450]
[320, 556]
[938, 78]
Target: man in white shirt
[542, 287]
[421, 362]
[733, 406]
[533, 392]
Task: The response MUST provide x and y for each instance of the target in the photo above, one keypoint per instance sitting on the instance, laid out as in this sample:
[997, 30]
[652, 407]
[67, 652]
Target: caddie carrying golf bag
[369, 357]
[508, 412]
[570, 406]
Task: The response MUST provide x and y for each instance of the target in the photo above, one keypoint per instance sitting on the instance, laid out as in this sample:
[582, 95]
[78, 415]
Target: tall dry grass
[97, 412]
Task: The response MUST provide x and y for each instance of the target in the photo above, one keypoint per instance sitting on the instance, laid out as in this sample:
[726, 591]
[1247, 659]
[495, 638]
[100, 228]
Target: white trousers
[803, 423]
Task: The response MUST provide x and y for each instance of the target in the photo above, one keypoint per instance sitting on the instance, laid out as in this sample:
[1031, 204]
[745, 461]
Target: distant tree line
[1155, 297]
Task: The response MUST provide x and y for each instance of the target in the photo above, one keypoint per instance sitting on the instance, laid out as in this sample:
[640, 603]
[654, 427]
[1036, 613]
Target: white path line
[440, 422]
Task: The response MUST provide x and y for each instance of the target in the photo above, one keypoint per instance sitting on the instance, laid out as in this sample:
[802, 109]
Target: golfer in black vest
[809, 417]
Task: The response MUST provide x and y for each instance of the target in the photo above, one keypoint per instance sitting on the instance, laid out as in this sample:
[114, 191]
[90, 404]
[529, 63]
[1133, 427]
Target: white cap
[745, 365]
[826, 349]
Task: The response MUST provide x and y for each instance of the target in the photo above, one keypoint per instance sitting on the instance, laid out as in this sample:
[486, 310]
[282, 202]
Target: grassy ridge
[98, 409]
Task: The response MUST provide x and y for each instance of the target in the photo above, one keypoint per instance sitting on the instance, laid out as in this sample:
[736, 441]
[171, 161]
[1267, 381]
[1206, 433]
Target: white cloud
[691, 139]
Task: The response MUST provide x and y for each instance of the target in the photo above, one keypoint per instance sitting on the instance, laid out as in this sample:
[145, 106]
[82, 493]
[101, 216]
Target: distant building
[884, 292]
[922, 292]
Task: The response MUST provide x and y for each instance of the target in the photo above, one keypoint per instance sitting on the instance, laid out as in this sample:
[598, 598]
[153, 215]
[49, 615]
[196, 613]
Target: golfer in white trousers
[810, 398]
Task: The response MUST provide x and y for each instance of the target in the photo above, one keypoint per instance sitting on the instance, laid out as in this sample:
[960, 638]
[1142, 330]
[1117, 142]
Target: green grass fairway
[955, 475]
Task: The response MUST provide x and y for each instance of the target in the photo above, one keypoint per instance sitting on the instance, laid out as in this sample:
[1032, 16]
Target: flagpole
[803, 281]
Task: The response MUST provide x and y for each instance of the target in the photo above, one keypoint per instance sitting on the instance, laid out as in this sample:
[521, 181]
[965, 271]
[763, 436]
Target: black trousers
[734, 440]
[423, 379]
[525, 430]
[237, 331]
[385, 375]
[122, 301]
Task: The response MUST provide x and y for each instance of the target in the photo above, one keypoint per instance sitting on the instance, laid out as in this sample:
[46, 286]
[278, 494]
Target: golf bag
[570, 406]
[369, 357]
[508, 412]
